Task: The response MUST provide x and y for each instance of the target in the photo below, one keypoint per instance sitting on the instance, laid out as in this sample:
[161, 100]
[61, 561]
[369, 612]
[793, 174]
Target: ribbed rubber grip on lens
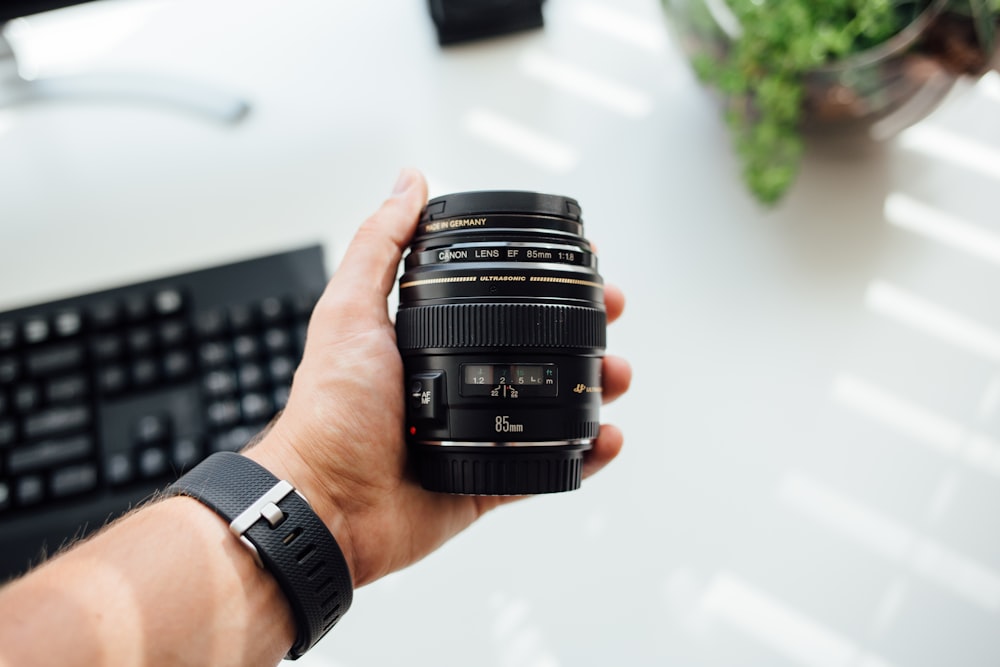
[500, 325]
[500, 472]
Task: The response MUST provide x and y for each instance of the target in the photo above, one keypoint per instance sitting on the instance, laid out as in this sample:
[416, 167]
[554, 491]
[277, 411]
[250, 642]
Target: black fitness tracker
[285, 535]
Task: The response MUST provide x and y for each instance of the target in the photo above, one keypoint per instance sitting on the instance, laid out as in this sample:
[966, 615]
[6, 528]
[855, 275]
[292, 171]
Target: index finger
[614, 302]
[368, 269]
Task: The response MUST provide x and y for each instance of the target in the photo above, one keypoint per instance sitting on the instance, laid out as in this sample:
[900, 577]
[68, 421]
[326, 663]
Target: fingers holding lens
[614, 302]
[617, 377]
[607, 446]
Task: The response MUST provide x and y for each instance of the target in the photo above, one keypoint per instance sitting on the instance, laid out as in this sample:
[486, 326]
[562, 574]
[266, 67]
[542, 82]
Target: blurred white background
[812, 464]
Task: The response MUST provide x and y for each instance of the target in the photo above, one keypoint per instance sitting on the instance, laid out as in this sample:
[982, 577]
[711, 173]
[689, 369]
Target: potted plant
[790, 67]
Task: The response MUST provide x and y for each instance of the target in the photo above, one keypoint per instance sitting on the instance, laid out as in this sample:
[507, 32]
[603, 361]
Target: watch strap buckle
[265, 507]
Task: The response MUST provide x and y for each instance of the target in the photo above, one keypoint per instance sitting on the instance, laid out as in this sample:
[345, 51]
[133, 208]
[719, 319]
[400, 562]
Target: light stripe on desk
[525, 143]
[782, 628]
[890, 539]
[939, 433]
[622, 25]
[586, 85]
[933, 319]
[914, 216]
[952, 147]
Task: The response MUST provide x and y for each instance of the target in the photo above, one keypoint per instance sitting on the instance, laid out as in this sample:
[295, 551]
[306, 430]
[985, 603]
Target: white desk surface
[812, 465]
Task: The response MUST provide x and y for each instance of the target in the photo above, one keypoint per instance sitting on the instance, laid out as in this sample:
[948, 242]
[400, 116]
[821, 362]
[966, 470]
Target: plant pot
[877, 91]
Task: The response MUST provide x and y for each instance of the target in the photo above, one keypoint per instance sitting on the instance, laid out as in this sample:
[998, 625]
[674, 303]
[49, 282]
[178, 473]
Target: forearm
[166, 585]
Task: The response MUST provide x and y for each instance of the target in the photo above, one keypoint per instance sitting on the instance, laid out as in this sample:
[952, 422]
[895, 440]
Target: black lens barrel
[501, 326]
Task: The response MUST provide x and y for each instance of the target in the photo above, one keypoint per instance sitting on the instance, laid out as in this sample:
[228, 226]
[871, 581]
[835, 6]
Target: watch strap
[286, 536]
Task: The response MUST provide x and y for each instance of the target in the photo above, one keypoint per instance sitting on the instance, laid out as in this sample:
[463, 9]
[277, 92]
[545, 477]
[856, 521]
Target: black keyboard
[106, 397]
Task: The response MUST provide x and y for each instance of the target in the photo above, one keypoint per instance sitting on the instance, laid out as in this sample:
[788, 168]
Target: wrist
[277, 453]
[285, 535]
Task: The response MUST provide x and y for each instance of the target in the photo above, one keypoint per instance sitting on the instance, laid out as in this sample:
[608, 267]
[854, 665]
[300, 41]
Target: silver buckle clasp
[265, 507]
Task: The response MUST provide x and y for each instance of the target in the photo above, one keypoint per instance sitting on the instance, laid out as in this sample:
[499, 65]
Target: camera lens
[502, 329]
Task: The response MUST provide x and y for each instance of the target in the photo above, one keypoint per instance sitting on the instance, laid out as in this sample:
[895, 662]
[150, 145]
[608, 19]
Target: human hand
[340, 440]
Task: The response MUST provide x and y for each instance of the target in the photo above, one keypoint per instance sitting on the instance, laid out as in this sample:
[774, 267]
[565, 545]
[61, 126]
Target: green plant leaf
[761, 73]
[984, 18]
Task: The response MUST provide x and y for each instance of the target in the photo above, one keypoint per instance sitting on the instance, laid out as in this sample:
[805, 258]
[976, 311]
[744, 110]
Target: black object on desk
[12, 9]
[108, 396]
[465, 20]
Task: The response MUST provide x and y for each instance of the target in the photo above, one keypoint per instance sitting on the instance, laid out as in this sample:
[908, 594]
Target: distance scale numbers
[510, 381]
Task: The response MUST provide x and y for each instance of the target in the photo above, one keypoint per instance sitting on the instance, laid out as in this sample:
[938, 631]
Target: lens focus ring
[501, 325]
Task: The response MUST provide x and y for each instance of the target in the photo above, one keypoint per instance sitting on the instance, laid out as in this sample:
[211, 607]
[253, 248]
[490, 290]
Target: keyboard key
[35, 331]
[251, 377]
[168, 302]
[178, 365]
[106, 315]
[223, 413]
[49, 454]
[29, 490]
[277, 341]
[27, 397]
[8, 336]
[186, 453]
[10, 369]
[136, 308]
[107, 347]
[5, 496]
[234, 439]
[153, 462]
[68, 323]
[172, 333]
[140, 340]
[74, 480]
[55, 359]
[144, 372]
[214, 354]
[68, 389]
[273, 310]
[282, 369]
[4, 403]
[246, 347]
[119, 469]
[220, 383]
[240, 318]
[112, 379]
[210, 324]
[256, 407]
[8, 433]
[151, 430]
[56, 421]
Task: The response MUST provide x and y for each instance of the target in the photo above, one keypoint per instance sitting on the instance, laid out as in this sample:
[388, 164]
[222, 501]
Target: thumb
[368, 270]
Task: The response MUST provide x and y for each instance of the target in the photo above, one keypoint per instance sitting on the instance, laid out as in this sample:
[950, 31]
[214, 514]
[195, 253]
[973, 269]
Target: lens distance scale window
[510, 381]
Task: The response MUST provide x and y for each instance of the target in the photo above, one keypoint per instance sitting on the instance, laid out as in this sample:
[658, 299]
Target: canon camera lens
[502, 328]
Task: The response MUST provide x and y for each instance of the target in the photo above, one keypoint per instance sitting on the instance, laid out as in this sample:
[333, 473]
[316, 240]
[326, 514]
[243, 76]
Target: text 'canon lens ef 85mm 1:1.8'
[502, 329]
